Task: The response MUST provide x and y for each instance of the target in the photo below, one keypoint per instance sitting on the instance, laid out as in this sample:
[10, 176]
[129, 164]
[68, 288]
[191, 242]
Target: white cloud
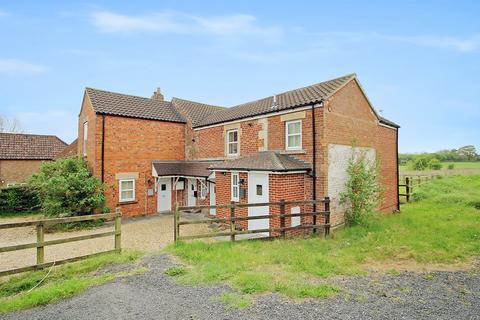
[467, 44]
[20, 66]
[180, 23]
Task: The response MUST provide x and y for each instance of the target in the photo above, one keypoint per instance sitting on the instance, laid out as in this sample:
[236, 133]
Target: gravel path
[153, 295]
[149, 234]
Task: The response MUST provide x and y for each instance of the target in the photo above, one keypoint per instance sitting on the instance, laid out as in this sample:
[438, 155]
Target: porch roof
[264, 161]
[182, 168]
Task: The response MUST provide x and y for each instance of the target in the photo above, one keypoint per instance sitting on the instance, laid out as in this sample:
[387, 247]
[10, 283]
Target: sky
[418, 61]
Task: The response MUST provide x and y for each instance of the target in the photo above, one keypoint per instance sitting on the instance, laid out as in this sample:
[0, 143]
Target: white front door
[164, 202]
[192, 187]
[213, 211]
[258, 193]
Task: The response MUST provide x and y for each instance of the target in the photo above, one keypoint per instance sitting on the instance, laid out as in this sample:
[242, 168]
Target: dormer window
[232, 142]
[293, 135]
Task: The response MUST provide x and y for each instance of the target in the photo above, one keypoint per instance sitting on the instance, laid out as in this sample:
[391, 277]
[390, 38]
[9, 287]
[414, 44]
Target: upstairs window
[235, 186]
[127, 190]
[85, 137]
[232, 142]
[293, 135]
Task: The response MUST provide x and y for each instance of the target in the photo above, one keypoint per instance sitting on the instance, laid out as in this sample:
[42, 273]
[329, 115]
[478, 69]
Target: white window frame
[85, 137]
[287, 134]
[235, 186]
[120, 199]
[233, 142]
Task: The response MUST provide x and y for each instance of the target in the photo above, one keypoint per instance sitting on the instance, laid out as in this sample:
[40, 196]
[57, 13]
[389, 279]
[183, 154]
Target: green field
[457, 165]
[439, 229]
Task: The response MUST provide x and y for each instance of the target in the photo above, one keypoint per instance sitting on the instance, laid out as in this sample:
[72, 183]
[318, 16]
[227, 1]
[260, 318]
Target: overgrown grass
[441, 226]
[21, 214]
[62, 282]
[457, 165]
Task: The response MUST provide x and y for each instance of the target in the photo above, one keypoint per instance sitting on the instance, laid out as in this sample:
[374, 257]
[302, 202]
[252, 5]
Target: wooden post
[176, 227]
[40, 247]
[232, 221]
[407, 188]
[118, 230]
[282, 218]
[327, 216]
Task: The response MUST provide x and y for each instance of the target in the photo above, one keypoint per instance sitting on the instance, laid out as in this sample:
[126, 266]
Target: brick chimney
[157, 95]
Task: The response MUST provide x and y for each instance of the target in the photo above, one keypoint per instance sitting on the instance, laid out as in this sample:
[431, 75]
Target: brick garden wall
[18, 171]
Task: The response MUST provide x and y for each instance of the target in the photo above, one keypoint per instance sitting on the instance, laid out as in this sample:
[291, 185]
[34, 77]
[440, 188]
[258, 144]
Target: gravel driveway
[149, 234]
[153, 295]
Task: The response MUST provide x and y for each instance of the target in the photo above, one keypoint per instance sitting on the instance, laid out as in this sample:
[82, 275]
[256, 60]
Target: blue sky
[418, 61]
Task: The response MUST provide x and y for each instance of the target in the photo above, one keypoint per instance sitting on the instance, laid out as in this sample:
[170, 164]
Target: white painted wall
[338, 157]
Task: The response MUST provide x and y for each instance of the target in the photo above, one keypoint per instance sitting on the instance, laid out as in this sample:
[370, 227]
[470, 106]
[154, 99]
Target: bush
[420, 164]
[451, 166]
[363, 190]
[66, 187]
[435, 164]
[18, 199]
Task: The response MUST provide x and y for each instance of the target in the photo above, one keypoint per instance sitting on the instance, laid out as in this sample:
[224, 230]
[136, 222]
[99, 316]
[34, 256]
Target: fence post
[327, 216]
[407, 188]
[232, 221]
[118, 230]
[282, 218]
[175, 223]
[40, 247]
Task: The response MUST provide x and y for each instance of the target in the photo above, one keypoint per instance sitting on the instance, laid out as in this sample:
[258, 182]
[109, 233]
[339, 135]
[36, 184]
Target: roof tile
[19, 146]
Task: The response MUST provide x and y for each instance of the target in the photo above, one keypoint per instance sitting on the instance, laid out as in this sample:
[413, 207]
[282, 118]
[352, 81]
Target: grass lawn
[63, 281]
[4, 215]
[440, 228]
[457, 165]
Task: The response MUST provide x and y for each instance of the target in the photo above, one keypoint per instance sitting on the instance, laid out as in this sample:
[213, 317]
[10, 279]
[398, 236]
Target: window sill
[127, 202]
[299, 151]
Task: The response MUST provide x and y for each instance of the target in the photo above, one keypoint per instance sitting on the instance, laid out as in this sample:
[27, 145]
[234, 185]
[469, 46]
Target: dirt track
[149, 234]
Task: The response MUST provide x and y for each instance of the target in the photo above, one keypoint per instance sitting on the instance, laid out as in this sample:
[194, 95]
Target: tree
[66, 187]
[363, 192]
[468, 152]
[10, 125]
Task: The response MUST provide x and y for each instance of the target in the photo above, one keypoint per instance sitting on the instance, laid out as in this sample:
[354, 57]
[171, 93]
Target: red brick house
[294, 145]
[22, 154]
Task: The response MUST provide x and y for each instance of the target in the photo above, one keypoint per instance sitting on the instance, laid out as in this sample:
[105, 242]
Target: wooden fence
[233, 218]
[40, 244]
[411, 182]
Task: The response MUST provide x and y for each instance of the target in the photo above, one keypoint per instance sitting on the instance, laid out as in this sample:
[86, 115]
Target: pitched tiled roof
[263, 161]
[68, 151]
[194, 111]
[112, 103]
[290, 99]
[18, 146]
[388, 122]
[183, 168]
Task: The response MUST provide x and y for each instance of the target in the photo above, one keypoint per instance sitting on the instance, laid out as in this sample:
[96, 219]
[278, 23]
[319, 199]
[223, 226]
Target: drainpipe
[103, 148]
[314, 167]
[398, 175]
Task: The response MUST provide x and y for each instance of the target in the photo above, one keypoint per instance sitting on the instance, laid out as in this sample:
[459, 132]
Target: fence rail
[40, 244]
[233, 218]
[413, 181]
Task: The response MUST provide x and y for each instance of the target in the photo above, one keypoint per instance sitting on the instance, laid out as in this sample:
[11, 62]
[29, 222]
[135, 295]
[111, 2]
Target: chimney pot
[157, 95]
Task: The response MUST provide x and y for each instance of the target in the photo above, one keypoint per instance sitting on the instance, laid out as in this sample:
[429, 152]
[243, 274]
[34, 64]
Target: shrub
[435, 164]
[363, 190]
[451, 166]
[66, 187]
[18, 199]
[420, 164]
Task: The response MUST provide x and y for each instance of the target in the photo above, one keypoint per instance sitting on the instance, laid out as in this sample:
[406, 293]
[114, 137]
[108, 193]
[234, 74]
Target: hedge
[18, 199]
